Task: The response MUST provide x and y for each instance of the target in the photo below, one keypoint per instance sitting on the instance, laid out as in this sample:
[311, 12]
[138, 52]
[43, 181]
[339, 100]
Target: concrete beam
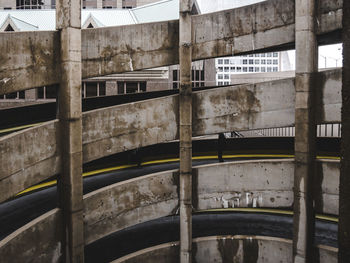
[344, 198]
[185, 130]
[266, 25]
[229, 249]
[39, 241]
[70, 180]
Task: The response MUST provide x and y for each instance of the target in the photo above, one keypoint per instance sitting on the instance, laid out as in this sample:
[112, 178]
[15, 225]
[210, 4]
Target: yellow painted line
[208, 157]
[269, 211]
[328, 157]
[19, 128]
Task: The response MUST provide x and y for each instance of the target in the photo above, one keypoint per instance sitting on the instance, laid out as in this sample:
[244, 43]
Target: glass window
[263, 69]
[220, 83]
[269, 62]
[251, 61]
[220, 76]
[245, 61]
[251, 69]
[251, 55]
[275, 69]
[245, 69]
[269, 55]
[227, 61]
[174, 75]
[275, 54]
[233, 68]
[226, 83]
[102, 90]
[256, 69]
[220, 61]
[232, 61]
[269, 69]
[226, 69]
[221, 69]
[263, 61]
[239, 69]
[91, 89]
[275, 62]
[257, 62]
[227, 77]
[257, 55]
[263, 55]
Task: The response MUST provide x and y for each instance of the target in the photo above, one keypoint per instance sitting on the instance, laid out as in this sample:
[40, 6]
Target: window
[275, 54]
[226, 83]
[269, 54]
[48, 92]
[269, 62]
[263, 69]
[256, 69]
[245, 61]
[269, 69]
[220, 83]
[232, 61]
[263, 55]
[226, 61]
[275, 69]
[220, 61]
[251, 55]
[9, 28]
[257, 55]
[14, 95]
[275, 62]
[251, 61]
[251, 69]
[245, 69]
[220, 76]
[226, 69]
[263, 61]
[239, 69]
[175, 72]
[220, 69]
[233, 68]
[93, 89]
[257, 62]
[227, 76]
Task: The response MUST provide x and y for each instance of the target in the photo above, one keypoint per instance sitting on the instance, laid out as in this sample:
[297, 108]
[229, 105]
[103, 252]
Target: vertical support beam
[185, 53]
[70, 184]
[305, 129]
[344, 188]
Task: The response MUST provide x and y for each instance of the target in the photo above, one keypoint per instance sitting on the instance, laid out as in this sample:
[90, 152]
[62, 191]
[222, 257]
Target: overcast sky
[329, 56]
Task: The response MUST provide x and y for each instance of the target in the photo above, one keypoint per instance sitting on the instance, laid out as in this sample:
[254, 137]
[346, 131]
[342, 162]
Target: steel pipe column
[305, 129]
[70, 187]
[185, 57]
[344, 188]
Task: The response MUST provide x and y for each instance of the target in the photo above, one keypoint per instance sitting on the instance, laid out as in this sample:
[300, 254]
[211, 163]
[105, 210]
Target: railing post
[344, 188]
[70, 184]
[185, 53]
[305, 129]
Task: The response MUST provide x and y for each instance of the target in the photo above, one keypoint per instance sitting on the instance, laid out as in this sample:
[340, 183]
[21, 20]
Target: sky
[329, 56]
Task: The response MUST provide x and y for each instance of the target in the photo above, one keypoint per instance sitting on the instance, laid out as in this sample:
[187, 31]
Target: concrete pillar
[70, 187]
[99, 4]
[344, 188]
[185, 53]
[119, 4]
[305, 130]
[31, 94]
[111, 88]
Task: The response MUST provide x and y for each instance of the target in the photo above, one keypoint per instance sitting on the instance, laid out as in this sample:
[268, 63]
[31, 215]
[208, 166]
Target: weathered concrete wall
[28, 157]
[120, 128]
[223, 249]
[118, 206]
[28, 60]
[38, 241]
[125, 127]
[110, 50]
[267, 183]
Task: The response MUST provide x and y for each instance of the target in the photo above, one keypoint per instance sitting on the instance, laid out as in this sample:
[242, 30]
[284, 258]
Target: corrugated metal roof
[45, 19]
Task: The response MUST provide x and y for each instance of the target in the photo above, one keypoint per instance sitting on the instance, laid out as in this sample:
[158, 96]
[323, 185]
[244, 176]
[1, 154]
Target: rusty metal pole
[305, 129]
[185, 53]
[344, 187]
[70, 184]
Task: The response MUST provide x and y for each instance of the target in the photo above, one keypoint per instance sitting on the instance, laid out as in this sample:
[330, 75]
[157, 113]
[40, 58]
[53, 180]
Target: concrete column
[119, 3]
[305, 130]
[70, 187]
[344, 188]
[31, 94]
[185, 53]
[99, 4]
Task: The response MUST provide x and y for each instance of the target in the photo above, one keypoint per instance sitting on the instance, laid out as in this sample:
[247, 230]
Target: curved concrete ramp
[224, 249]
[260, 183]
[39, 241]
